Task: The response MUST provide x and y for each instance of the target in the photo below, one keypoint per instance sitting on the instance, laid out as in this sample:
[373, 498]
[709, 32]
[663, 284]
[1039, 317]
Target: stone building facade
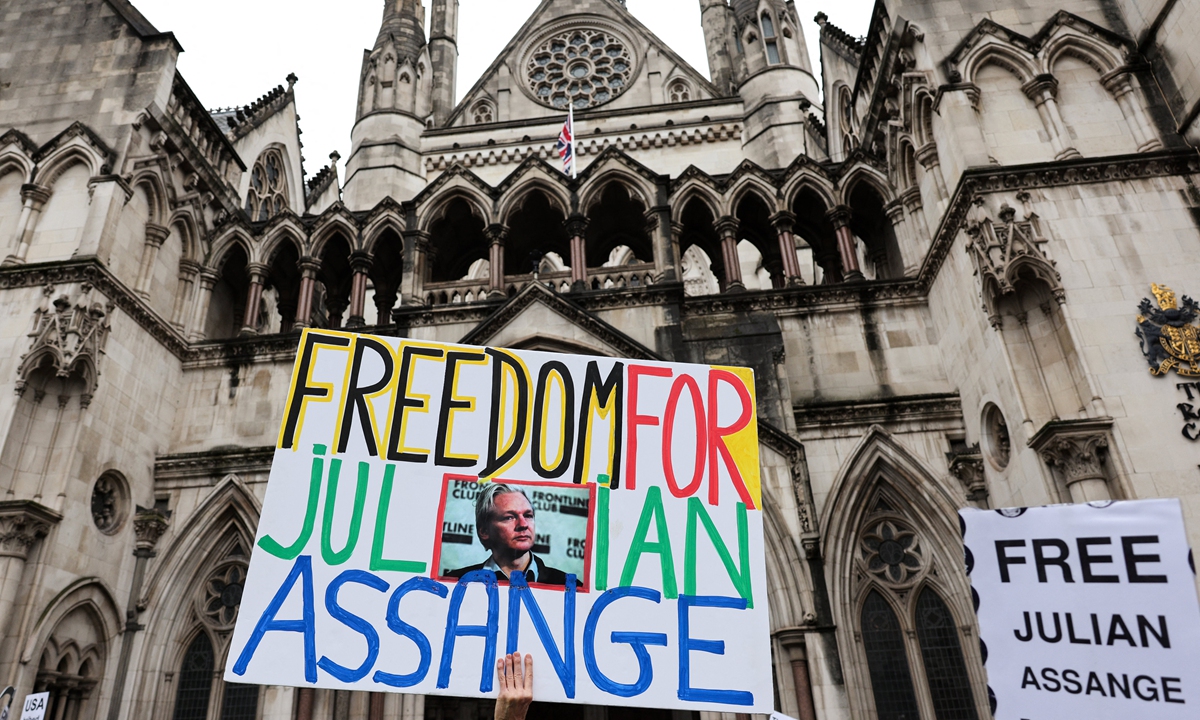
[931, 250]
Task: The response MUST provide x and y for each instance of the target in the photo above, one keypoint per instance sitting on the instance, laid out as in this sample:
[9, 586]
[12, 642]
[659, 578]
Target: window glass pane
[772, 52]
[195, 681]
[887, 661]
[240, 702]
[768, 27]
[943, 658]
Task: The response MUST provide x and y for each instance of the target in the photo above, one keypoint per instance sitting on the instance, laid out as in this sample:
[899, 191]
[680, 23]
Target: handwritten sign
[432, 507]
[1087, 610]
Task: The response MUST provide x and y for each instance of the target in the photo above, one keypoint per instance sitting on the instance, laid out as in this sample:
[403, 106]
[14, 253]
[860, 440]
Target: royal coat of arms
[1170, 339]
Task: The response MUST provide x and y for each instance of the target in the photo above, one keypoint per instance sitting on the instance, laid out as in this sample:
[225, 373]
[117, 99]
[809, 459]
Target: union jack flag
[566, 143]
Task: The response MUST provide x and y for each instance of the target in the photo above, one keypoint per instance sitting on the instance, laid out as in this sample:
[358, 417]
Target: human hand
[516, 687]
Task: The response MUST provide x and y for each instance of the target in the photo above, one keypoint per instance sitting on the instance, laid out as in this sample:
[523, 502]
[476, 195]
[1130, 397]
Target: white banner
[432, 507]
[35, 706]
[1087, 611]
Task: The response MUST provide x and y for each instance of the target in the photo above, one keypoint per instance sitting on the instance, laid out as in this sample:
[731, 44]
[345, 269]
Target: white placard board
[1087, 611]
[34, 707]
[378, 564]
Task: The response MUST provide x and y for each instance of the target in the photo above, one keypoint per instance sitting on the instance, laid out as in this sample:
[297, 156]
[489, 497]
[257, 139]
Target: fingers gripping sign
[516, 687]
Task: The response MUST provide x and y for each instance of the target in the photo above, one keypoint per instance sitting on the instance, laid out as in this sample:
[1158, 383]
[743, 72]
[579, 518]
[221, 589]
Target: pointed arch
[59, 161]
[331, 226]
[157, 194]
[1103, 57]
[884, 494]
[287, 231]
[701, 190]
[747, 185]
[432, 209]
[992, 50]
[13, 160]
[222, 244]
[807, 179]
[228, 516]
[611, 172]
[863, 173]
[189, 234]
[379, 226]
[516, 196]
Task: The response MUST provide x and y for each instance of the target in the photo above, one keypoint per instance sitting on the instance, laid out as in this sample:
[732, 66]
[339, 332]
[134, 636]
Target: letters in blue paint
[638, 641]
[301, 571]
[688, 645]
[564, 663]
[400, 627]
[354, 622]
[488, 632]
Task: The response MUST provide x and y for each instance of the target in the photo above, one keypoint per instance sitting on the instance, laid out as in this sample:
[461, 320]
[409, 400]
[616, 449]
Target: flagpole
[574, 157]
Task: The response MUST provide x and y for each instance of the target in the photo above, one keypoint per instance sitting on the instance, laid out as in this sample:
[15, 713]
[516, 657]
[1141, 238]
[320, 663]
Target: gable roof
[545, 15]
[535, 296]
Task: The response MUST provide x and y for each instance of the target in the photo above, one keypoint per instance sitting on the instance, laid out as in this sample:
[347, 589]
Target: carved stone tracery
[69, 336]
[23, 523]
[1006, 250]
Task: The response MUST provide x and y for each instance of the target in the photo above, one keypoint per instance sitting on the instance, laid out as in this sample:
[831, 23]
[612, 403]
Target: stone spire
[443, 55]
[403, 24]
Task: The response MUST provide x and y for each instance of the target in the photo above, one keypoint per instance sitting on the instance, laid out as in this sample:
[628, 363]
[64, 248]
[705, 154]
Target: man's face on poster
[510, 530]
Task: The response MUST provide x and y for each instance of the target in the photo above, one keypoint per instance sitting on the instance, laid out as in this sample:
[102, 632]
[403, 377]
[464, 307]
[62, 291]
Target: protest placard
[414, 481]
[1086, 611]
[34, 707]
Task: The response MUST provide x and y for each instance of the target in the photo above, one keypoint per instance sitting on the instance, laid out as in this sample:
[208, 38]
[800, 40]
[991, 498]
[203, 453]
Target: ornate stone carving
[583, 67]
[891, 552]
[68, 335]
[109, 500]
[149, 524]
[967, 466]
[23, 523]
[220, 596]
[1076, 451]
[1004, 251]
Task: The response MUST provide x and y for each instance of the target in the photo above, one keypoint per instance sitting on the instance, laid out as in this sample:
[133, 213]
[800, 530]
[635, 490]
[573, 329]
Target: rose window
[580, 68]
[891, 552]
[221, 595]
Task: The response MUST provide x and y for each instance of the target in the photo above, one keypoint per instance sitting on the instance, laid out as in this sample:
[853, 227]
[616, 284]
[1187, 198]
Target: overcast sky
[236, 50]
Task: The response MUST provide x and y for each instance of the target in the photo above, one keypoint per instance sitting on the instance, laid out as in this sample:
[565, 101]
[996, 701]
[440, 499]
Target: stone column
[958, 105]
[1119, 84]
[728, 227]
[794, 642]
[577, 229]
[927, 155]
[156, 235]
[305, 698]
[208, 280]
[188, 269]
[906, 242]
[258, 277]
[309, 267]
[34, 198]
[1078, 460]
[360, 266]
[22, 524]
[839, 217]
[916, 212]
[784, 224]
[496, 234]
[1043, 91]
[658, 225]
[418, 258]
[149, 524]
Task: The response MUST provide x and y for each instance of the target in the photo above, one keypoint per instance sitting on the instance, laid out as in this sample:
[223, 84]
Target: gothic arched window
[483, 113]
[941, 652]
[887, 661]
[769, 39]
[268, 193]
[679, 92]
[215, 604]
[909, 635]
[195, 680]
